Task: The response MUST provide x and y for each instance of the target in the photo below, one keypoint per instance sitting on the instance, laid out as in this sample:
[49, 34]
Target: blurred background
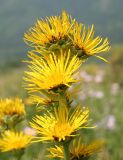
[102, 84]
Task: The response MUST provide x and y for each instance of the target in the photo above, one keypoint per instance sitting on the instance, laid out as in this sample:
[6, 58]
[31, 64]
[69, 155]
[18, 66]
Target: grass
[11, 82]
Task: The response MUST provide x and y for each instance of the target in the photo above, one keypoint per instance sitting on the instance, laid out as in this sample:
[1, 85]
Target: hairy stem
[66, 151]
[18, 154]
[63, 99]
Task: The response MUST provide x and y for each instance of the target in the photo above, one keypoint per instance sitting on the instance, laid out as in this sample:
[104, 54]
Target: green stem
[18, 154]
[63, 99]
[66, 151]
[19, 157]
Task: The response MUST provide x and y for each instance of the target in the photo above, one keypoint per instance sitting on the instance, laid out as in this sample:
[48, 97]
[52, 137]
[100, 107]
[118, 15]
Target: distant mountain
[17, 15]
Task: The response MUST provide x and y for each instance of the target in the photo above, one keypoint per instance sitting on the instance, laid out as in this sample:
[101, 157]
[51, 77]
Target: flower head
[56, 152]
[60, 124]
[77, 150]
[11, 106]
[49, 31]
[37, 99]
[55, 72]
[14, 140]
[83, 39]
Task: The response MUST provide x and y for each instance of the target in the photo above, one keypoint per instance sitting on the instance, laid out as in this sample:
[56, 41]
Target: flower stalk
[63, 100]
[18, 153]
[66, 151]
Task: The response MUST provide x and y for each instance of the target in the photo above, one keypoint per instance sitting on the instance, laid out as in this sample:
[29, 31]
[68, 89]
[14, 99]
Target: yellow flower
[35, 99]
[49, 30]
[55, 72]
[12, 106]
[83, 39]
[60, 124]
[56, 152]
[77, 150]
[14, 140]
